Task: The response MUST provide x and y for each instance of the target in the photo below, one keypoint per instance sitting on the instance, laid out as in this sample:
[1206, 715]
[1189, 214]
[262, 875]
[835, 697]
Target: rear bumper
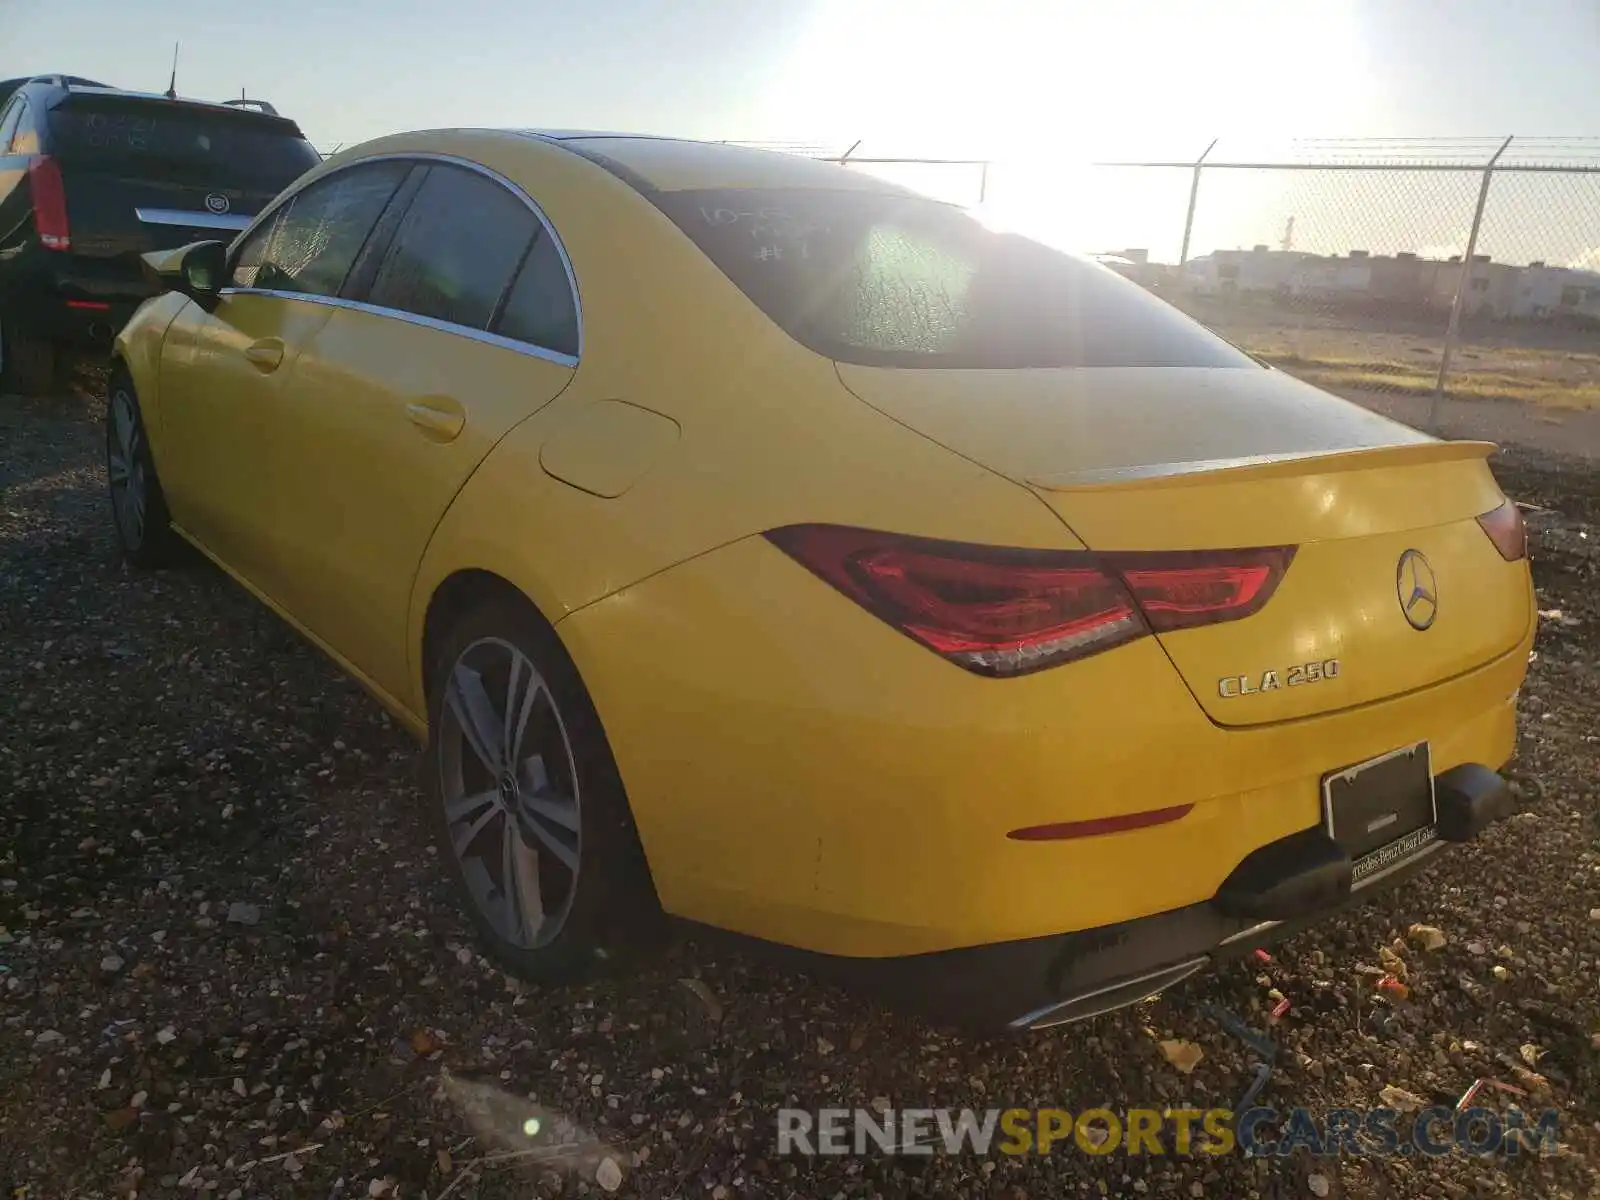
[798, 777]
[84, 323]
[79, 302]
[1038, 982]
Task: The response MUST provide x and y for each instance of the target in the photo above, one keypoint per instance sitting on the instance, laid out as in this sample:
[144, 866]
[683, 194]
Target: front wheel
[144, 530]
[527, 804]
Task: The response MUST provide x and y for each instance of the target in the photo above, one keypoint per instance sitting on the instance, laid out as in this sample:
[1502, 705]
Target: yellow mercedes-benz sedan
[753, 541]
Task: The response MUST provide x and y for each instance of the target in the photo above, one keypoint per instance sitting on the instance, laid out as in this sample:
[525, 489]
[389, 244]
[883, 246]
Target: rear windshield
[220, 149]
[884, 279]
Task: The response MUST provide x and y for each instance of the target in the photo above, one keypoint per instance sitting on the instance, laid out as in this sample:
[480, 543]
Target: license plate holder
[1382, 810]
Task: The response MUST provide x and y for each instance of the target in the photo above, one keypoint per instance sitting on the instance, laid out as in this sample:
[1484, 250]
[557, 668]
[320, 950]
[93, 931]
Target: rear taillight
[1001, 611]
[1507, 531]
[1181, 589]
[49, 202]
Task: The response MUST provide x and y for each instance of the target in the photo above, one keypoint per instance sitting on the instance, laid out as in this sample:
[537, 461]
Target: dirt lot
[229, 965]
[1556, 368]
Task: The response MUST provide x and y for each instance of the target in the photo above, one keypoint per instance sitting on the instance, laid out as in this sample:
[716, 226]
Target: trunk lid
[1160, 459]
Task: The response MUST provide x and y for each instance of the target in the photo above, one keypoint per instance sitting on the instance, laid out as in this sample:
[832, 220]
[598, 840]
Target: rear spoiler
[262, 118]
[1264, 466]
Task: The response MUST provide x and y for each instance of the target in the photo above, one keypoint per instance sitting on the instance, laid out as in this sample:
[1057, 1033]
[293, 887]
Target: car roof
[671, 164]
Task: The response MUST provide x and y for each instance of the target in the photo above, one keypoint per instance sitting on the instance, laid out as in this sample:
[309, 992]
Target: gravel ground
[229, 964]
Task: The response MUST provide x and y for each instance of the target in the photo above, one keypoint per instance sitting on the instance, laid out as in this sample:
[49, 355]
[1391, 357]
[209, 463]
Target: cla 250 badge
[1270, 681]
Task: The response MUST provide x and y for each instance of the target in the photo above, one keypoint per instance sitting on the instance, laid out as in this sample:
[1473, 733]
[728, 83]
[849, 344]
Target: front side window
[247, 259]
[540, 309]
[893, 279]
[455, 252]
[308, 245]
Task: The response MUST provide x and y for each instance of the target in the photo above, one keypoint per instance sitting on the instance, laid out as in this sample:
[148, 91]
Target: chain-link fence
[1394, 269]
[1399, 270]
[1467, 269]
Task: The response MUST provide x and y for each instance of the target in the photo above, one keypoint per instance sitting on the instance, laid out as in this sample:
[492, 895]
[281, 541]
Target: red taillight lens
[1001, 611]
[994, 611]
[49, 202]
[1202, 587]
[1507, 531]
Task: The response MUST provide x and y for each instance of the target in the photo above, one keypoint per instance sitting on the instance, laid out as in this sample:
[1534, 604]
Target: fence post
[1462, 284]
[1188, 220]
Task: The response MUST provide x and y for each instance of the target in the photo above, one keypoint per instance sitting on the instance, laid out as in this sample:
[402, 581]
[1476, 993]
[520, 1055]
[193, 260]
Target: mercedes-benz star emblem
[1418, 592]
[216, 202]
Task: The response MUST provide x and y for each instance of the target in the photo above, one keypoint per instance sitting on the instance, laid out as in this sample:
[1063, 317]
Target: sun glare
[1046, 88]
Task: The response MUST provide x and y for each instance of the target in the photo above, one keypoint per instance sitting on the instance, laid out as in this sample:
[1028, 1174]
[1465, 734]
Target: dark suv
[91, 177]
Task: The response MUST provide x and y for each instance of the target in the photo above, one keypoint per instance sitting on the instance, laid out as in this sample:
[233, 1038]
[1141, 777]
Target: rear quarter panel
[768, 435]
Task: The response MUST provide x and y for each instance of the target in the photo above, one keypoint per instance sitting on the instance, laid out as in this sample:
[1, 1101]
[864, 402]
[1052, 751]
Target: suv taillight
[49, 202]
[1001, 611]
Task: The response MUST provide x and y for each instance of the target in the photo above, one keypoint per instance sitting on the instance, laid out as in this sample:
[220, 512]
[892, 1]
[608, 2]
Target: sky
[1041, 87]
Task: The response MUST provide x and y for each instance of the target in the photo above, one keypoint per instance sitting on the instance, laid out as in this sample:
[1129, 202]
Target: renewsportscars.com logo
[1357, 1133]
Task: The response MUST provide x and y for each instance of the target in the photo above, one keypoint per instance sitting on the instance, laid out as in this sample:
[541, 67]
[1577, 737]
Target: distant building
[1259, 271]
[1347, 278]
[1493, 290]
[1491, 286]
[1135, 264]
[1556, 292]
[1401, 279]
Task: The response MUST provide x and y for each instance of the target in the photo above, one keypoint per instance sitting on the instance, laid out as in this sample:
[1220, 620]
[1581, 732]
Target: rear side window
[891, 279]
[455, 252]
[22, 137]
[540, 309]
[8, 124]
[308, 245]
[176, 142]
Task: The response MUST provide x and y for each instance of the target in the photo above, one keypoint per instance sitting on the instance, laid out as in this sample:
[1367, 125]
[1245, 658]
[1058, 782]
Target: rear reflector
[1000, 611]
[49, 202]
[90, 305]
[1507, 531]
[1065, 830]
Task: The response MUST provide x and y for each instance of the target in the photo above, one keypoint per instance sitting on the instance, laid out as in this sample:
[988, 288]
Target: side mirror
[197, 270]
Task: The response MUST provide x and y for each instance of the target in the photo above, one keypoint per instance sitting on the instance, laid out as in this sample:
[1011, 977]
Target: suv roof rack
[61, 80]
[260, 106]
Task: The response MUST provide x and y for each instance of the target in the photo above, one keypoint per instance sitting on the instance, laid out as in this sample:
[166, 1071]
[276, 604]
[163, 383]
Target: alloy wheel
[125, 464]
[508, 782]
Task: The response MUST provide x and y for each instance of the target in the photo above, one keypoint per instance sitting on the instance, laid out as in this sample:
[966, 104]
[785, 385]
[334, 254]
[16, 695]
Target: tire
[27, 361]
[138, 505]
[558, 827]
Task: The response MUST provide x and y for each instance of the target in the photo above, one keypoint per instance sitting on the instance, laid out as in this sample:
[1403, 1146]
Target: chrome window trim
[197, 219]
[466, 331]
[424, 156]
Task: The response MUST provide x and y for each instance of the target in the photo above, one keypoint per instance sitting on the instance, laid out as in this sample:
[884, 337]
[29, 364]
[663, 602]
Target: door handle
[265, 355]
[439, 417]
